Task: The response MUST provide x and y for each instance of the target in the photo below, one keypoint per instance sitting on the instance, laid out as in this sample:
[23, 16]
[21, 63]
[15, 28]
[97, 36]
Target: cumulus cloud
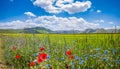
[52, 22]
[17, 24]
[30, 14]
[57, 6]
[98, 11]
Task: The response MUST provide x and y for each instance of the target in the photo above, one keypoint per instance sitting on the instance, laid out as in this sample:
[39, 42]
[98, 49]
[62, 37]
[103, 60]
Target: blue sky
[59, 14]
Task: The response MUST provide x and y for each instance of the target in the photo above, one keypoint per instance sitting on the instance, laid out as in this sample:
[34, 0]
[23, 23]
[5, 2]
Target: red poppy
[69, 52]
[71, 57]
[42, 48]
[32, 64]
[17, 56]
[40, 60]
[43, 55]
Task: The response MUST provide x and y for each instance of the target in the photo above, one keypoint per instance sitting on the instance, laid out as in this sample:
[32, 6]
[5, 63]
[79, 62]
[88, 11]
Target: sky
[59, 14]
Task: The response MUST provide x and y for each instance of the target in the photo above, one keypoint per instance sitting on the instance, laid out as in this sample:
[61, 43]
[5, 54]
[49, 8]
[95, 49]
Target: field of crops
[62, 51]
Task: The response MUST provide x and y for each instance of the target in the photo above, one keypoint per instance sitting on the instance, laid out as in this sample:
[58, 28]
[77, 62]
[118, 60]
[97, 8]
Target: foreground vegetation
[60, 51]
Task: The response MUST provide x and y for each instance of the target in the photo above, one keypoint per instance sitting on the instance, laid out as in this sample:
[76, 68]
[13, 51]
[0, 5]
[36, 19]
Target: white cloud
[110, 22]
[98, 11]
[30, 14]
[51, 22]
[47, 5]
[57, 6]
[59, 23]
[17, 24]
[77, 7]
[113, 27]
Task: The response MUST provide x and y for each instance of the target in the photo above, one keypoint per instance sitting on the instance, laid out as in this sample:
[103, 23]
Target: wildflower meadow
[61, 51]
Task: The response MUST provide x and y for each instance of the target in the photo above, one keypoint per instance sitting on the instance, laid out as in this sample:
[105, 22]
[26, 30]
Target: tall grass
[89, 51]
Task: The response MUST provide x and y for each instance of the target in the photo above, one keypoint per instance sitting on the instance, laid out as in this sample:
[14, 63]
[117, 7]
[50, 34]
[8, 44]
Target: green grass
[93, 51]
[2, 60]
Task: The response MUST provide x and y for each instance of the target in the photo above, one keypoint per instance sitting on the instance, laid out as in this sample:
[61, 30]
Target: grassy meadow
[61, 51]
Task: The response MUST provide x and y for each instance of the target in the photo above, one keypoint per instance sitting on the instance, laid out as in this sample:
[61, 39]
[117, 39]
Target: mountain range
[41, 30]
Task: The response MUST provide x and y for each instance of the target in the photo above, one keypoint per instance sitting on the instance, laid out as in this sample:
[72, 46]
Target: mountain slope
[37, 30]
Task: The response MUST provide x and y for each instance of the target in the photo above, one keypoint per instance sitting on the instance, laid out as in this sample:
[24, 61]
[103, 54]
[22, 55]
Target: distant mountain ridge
[101, 31]
[41, 30]
[37, 30]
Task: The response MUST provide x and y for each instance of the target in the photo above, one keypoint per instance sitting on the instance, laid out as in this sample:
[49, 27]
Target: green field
[61, 51]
